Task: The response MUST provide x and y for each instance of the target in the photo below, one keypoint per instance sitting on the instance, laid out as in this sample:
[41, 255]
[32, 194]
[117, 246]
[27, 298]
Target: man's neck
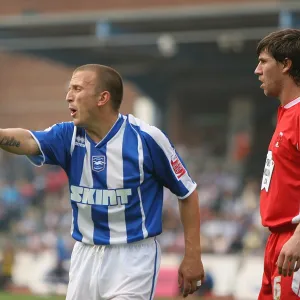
[101, 127]
[289, 93]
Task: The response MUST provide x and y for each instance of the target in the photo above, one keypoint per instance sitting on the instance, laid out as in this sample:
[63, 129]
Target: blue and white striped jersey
[116, 186]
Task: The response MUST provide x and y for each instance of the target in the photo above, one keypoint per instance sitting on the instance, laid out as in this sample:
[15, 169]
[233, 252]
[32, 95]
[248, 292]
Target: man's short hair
[108, 80]
[283, 44]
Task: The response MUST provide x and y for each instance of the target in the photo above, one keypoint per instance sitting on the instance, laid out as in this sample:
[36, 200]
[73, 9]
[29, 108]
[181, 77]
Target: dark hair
[283, 44]
[108, 80]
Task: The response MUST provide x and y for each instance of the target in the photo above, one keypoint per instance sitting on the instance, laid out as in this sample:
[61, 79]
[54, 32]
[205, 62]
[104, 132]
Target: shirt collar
[292, 103]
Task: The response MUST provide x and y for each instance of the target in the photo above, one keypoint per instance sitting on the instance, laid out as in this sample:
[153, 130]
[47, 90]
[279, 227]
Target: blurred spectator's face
[82, 97]
[270, 73]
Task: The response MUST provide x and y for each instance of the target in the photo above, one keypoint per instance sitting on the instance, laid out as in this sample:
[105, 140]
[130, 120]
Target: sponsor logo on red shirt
[177, 166]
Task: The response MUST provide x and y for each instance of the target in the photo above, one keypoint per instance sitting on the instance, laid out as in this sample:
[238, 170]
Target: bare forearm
[18, 141]
[297, 231]
[190, 218]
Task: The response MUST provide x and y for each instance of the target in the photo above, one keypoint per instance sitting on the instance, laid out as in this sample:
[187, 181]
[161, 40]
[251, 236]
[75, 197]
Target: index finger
[186, 287]
[285, 265]
[280, 263]
[180, 280]
[292, 265]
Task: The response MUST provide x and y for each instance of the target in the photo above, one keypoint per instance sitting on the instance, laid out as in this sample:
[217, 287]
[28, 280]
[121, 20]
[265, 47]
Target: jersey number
[295, 286]
[277, 288]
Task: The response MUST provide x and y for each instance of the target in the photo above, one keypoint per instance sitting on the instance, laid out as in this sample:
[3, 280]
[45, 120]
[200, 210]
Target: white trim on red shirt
[292, 103]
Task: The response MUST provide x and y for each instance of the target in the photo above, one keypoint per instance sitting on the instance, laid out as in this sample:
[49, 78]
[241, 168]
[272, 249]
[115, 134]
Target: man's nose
[257, 70]
[69, 96]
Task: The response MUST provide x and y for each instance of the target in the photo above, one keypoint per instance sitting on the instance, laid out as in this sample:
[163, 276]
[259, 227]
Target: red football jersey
[280, 187]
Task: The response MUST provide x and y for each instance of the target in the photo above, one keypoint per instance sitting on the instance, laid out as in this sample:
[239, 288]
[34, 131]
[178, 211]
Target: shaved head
[108, 79]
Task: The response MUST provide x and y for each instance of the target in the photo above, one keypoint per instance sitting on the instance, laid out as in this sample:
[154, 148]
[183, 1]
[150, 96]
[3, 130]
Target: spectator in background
[7, 264]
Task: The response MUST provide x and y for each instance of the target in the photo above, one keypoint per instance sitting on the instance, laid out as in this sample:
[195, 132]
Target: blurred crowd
[229, 204]
[35, 213]
[34, 207]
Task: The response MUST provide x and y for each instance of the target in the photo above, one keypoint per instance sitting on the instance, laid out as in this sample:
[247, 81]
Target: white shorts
[120, 272]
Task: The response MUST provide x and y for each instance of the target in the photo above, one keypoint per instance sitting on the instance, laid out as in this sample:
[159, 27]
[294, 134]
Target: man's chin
[76, 122]
[267, 93]
[270, 94]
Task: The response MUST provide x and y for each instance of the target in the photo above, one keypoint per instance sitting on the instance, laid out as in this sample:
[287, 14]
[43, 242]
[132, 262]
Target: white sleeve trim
[73, 140]
[39, 145]
[189, 193]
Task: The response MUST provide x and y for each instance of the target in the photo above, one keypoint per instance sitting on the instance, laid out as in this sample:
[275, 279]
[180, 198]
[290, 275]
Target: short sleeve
[55, 144]
[168, 165]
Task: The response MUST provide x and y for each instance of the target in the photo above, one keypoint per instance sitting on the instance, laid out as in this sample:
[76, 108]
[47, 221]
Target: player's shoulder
[144, 128]
[297, 109]
[293, 116]
[293, 108]
[64, 127]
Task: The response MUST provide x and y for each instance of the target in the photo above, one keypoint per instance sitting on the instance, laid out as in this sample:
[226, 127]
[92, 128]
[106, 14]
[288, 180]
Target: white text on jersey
[100, 197]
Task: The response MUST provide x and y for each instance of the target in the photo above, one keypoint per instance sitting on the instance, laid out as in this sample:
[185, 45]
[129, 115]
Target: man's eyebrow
[74, 85]
[261, 58]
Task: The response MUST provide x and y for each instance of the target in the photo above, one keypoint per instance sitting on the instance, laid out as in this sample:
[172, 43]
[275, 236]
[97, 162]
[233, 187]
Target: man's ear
[104, 97]
[287, 65]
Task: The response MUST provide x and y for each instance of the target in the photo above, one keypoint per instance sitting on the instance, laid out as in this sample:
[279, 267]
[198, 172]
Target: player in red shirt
[278, 70]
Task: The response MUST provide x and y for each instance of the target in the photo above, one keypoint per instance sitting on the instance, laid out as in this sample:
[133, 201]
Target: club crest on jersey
[279, 139]
[98, 163]
[177, 166]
